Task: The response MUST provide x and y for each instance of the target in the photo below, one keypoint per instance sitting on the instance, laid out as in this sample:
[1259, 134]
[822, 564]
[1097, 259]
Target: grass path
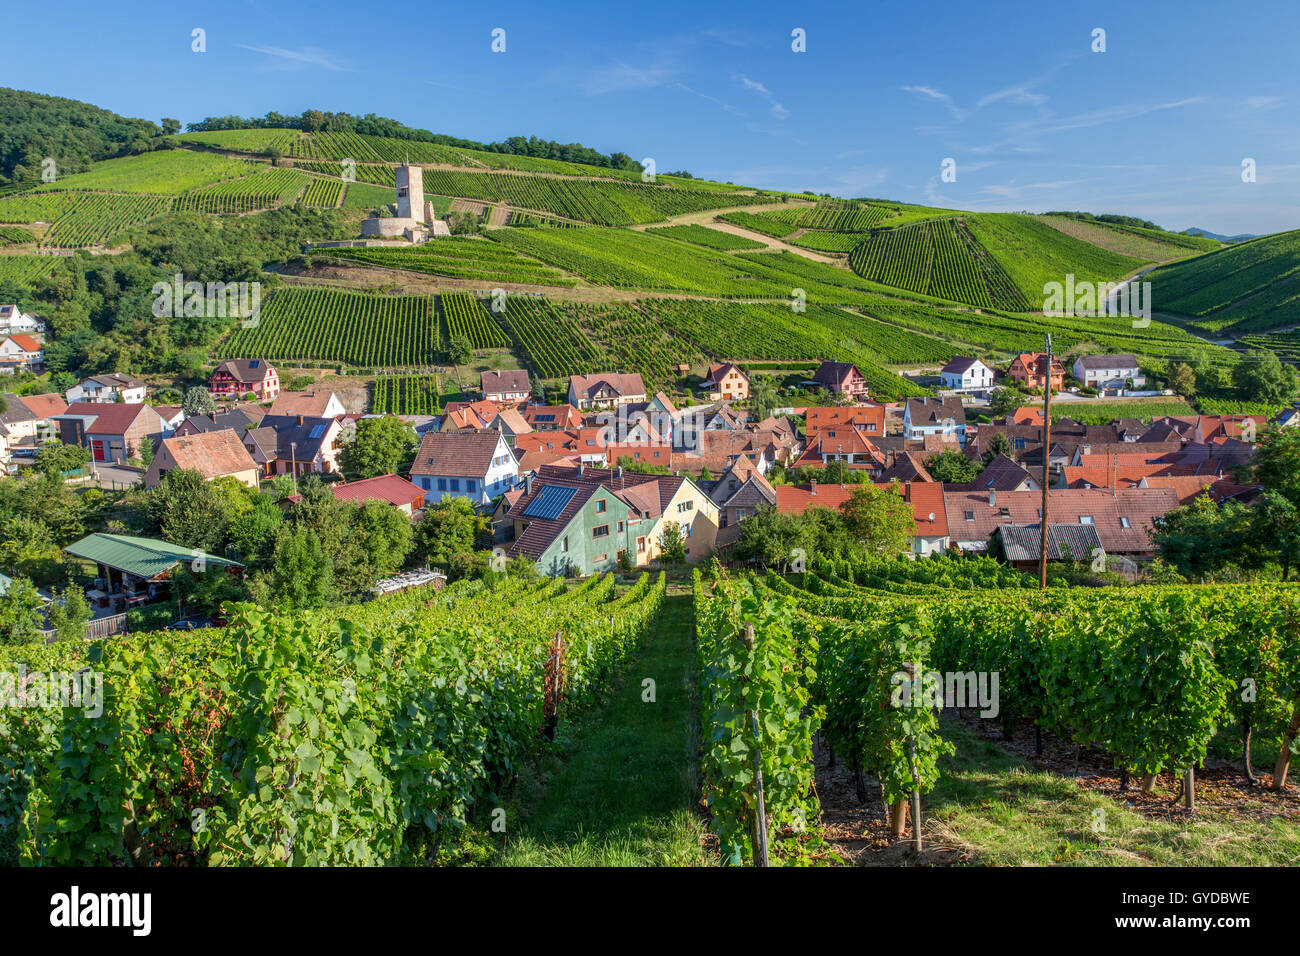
[626, 784]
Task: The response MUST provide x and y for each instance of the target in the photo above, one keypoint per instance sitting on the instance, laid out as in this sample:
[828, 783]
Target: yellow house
[689, 508]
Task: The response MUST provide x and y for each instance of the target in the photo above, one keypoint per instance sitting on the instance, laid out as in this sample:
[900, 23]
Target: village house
[1028, 369]
[845, 444]
[965, 372]
[469, 416]
[581, 520]
[113, 387]
[934, 416]
[866, 418]
[930, 533]
[21, 353]
[294, 444]
[510, 424]
[475, 465]
[235, 378]
[549, 418]
[506, 388]
[605, 390]
[587, 444]
[112, 432]
[213, 454]
[13, 321]
[237, 419]
[726, 381]
[404, 495]
[315, 404]
[841, 378]
[1021, 545]
[1108, 371]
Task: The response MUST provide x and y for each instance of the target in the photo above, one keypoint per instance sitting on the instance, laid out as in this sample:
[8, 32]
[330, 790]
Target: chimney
[814, 486]
[299, 419]
[993, 498]
[581, 469]
[528, 484]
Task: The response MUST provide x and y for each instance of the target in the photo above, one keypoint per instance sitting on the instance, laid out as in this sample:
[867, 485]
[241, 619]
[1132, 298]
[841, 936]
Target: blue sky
[1156, 126]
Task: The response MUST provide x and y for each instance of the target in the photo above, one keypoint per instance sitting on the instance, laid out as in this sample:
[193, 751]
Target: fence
[99, 627]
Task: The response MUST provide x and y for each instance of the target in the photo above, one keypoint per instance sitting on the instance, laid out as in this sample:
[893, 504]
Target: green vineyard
[937, 257]
[406, 395]
[330, 325]
[79, 219]
[553, 343]
[468, 316]
[458, 258]
[324, 193]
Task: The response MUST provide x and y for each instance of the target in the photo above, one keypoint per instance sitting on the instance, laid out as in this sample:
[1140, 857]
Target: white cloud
[754, 86]
[302, 57]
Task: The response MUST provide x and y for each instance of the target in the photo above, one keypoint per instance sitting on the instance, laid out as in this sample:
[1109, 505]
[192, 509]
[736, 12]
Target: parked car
[189, 624]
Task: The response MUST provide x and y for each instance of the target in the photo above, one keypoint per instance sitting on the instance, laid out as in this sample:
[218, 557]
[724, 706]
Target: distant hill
[1250, 286]
[1197, 231]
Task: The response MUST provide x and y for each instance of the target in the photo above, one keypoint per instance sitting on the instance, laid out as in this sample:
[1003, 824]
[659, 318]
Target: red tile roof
[113, 418]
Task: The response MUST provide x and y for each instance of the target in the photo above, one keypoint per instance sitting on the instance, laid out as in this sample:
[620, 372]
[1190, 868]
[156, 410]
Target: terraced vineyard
[26, 270]
[760, 222]
[166, 172]
[1285, 344]
[13, 236]
[459, 258]
[601, 202]
[324, 193]
[843, 242]
[467, 316]
[634, 340]
[79, 219]
[332, 325]
[937, 257]
[704, 236]
[1148, 244]
[406, 395]
[1247, 287]
[1032, 254]
[553, 343]
[371, 173]
[244, 140]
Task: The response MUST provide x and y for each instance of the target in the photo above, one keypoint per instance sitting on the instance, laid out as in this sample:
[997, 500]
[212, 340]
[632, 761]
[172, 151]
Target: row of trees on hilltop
[318, 121]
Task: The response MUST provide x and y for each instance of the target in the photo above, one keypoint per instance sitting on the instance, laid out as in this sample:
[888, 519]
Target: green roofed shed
[146, 558]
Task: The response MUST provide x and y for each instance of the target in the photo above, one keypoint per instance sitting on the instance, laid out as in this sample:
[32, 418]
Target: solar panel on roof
[549, 502]
[316, 431]
[254, 363]
[545, 418]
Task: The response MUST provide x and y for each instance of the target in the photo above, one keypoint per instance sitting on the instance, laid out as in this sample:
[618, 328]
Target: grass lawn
[999, 811]
[625, 780]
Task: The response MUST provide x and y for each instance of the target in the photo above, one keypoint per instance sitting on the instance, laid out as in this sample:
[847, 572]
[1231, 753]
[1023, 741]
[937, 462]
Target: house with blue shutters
[477, 465]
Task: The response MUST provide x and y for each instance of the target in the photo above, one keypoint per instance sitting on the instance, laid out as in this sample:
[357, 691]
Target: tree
[999, 444]
[253, 532]
[1261, 377]
[770, 538]
[460, 351]
[188, 511]
[198, 401]
[301, 573]
[763, 396]
[20, 613]
[952, 467]
[380, 446]
[880, 518]
[68, 613]
[55, 460]
[1204, 538]
[385, 537]
[1182, 379]
[705, 474]
[449, 528]
[170, 127]
[1276, 464]
[1275, 527]
[672, 544]
[1006, 401]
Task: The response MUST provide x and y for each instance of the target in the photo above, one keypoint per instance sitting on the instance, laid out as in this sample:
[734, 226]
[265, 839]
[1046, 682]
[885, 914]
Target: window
[600, 510]
[620, 527]
[442, 486]
[686, 506]
[428, 483]
[640, 544]
[1085, 519]
[470, 484]
[1003, 512]
[1123, 523]
[564, 545]
[970, 516]
[600, 558]
[455, 484]
[600, 531]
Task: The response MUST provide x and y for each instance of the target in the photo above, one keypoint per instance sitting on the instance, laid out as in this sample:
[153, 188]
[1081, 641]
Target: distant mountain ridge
[1197, 231]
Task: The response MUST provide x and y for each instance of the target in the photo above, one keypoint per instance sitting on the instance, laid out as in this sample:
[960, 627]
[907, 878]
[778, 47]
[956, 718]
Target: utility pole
[1047, 456]
[293, 466]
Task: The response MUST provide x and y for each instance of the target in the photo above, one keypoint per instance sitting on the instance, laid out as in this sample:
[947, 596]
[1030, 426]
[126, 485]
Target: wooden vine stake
[916, 797]
[553, 686]
[1283, 766]
[760, 816]
[1189, 790]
